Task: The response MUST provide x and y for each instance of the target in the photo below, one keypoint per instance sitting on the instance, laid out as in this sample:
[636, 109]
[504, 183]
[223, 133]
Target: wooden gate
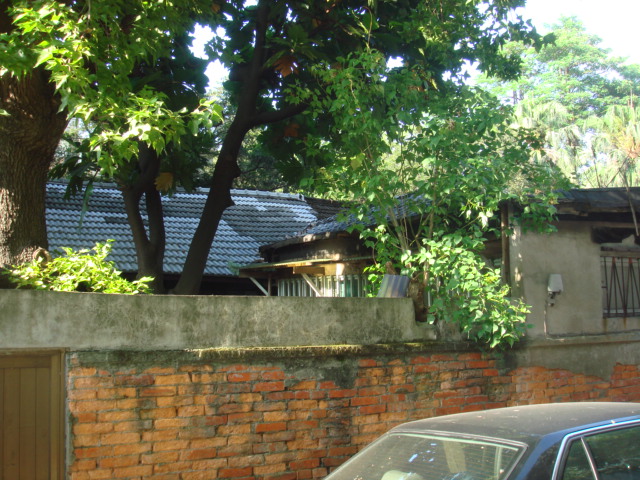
[31, 413]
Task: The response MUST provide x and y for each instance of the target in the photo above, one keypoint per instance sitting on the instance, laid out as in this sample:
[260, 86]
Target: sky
[614, 21]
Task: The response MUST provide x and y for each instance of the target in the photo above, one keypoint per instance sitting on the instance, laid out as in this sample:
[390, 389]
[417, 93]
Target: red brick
[86, 440]
[242, 377]
[170, 445]
[359, 401]
[235, 472]
[89, 464]
[153, 413]
[367, 362]
[159, 435]
[244, 417]
[175, 379]
[278, 416]
[137, 471]
[271, 427]
[118, 438]
[83, 372]
[303, 405]
[209, 464]
[305, 385]
[160, 370]
[158, 391]
[233, 408]
[93, 452]
[273, 375]
[133, 426]
[88, 428]
[120, 461]
[130, 449]
[134, 380]
[91, 405]
[269, 469]
[268, 387]
[160, 457]
[199, 475]
[302, 425]
[308, 463]
[283, 476]
[191, 411]
[82, 394]
[199, 454]
[91, 383]
[372, 409]
[101, 474]
[343, 393]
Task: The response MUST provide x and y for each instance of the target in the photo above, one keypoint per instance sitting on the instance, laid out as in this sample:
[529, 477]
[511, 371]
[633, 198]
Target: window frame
[627, 287]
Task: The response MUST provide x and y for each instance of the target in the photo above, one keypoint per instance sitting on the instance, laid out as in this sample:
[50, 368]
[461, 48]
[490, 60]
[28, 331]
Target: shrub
[76, 271]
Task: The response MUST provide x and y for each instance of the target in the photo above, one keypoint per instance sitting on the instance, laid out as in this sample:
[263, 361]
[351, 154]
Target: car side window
[615, 455]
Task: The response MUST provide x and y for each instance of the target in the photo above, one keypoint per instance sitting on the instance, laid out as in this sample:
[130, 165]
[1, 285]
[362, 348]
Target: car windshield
[408, 456]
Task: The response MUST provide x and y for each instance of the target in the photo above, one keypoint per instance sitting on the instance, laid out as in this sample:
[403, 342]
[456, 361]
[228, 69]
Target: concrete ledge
[40, 319]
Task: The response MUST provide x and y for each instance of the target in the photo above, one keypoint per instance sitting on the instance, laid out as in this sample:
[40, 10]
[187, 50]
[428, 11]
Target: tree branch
[277, 115]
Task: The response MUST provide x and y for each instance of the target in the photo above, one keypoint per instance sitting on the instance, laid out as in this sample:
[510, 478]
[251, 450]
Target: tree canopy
[566, 92]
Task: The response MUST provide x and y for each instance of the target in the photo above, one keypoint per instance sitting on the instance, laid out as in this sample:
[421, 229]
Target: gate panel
[31, 416]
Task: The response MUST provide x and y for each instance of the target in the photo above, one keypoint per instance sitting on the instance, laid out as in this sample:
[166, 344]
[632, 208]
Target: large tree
[573, 70]
[78, 59]
[275, 50]
[429, 195]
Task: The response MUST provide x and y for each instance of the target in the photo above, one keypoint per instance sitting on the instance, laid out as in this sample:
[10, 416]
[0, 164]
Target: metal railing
[620, 275]
[328, 285]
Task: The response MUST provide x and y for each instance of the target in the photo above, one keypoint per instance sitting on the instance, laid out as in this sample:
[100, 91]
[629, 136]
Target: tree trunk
[150, 243]
[29, 136]
[218, 200]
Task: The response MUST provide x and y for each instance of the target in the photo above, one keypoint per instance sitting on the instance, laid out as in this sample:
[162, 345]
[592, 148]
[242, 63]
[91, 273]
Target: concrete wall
[571, 253]
[36, 319]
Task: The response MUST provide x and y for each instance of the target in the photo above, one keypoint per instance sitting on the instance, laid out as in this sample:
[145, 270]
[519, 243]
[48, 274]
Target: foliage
[89, 52]
[79, 271]
[431, 187]
[566, 86]
[614, 147]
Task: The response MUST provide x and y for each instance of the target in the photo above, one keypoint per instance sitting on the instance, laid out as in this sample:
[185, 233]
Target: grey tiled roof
[256, 219]
[605, 199]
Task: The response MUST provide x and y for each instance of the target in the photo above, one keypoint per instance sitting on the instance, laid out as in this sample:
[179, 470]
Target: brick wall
[283, 414]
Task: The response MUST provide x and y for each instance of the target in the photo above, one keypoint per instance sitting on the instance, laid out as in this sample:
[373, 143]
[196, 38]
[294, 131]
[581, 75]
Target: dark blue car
[564, 441]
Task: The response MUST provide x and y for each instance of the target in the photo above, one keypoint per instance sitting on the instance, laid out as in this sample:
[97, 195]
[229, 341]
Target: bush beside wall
[284, 414]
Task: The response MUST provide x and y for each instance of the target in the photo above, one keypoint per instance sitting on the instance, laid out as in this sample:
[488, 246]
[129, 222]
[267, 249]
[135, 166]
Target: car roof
[529, 423]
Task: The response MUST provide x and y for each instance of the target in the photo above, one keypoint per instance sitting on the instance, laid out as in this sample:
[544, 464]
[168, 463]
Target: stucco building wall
[571, 253]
